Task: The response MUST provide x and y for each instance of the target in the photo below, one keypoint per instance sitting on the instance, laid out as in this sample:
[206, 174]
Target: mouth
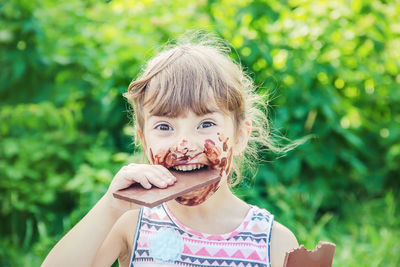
[189, 167]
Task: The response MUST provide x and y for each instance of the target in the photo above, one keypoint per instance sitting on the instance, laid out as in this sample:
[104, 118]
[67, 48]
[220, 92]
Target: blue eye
[163, 127]
[206, 124]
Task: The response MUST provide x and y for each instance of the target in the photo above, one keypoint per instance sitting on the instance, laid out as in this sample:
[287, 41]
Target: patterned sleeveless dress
[161, 240]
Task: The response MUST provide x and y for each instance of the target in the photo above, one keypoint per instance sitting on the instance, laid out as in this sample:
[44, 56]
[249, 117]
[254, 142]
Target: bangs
[172, 103]
[186, 84]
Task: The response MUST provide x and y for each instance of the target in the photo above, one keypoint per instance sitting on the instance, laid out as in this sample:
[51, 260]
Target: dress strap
[269, 241]
[134, 245]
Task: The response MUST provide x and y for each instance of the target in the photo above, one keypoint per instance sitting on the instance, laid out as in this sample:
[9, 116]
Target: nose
[185, 145]
[182, 146]
[186, 137]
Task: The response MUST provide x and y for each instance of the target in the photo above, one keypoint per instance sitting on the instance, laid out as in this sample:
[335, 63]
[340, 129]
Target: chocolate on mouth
[185, 160]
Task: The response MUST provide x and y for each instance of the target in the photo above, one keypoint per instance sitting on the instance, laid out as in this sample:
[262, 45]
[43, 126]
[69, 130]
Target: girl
[194, 108]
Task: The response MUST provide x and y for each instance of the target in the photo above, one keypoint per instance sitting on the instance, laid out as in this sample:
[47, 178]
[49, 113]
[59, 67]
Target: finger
[166, 172]
[142, 180]
[130, 176]
[163, 174]
[146, 175]
[155, 179]
[145, 183]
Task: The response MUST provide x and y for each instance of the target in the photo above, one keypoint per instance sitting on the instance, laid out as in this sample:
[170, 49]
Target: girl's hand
[145, 174]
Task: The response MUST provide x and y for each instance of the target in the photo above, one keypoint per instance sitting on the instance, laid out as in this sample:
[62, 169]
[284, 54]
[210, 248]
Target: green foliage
[337, 74]
[36, 147]
[49, 168]
[332, 69]
[372, 231]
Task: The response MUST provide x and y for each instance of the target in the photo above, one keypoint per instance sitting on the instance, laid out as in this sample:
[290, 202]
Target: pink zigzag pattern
[248, 245]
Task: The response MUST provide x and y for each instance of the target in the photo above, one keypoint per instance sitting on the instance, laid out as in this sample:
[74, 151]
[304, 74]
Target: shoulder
[282, 241]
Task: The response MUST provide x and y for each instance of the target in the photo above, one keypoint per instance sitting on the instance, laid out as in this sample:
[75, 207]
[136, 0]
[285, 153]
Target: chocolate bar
[185, 183]
[321, 256]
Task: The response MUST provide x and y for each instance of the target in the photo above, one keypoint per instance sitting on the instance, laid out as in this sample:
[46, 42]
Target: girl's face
[189, 142]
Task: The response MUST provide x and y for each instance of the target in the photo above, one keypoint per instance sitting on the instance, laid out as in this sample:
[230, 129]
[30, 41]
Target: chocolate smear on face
[212, 155]
[222, 164]
[225, 147]
[161, 157]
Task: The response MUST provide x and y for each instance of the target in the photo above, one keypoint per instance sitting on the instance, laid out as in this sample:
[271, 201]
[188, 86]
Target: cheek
[219, 153]
[157, 153]
[157, 157]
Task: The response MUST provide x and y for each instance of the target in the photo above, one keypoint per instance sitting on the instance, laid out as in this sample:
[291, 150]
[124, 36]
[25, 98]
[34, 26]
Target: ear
[242, 137]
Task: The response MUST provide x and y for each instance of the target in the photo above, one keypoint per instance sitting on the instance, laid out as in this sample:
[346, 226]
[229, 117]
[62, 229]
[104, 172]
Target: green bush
[40, 149]
[49, 169]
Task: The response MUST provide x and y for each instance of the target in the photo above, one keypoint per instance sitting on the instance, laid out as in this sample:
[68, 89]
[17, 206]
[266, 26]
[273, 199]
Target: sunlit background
[332, 68]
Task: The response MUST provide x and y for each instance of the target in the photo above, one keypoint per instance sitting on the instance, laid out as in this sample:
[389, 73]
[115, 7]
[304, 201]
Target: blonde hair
[185, 75]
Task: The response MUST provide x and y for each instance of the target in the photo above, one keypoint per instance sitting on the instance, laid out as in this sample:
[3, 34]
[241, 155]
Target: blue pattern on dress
[166, 245]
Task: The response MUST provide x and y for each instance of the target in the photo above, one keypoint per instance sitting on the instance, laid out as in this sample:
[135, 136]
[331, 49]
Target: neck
[223, 200]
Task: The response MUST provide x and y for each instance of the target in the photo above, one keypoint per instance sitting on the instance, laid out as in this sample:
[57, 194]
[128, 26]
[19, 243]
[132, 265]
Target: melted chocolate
[212, 155]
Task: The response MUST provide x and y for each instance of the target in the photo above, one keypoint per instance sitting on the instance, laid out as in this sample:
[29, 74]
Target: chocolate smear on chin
[198, 196]
[213, 154]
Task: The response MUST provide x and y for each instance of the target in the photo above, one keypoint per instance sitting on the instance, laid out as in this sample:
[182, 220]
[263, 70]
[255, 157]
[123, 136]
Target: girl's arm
[118, 242]
[80, 245]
